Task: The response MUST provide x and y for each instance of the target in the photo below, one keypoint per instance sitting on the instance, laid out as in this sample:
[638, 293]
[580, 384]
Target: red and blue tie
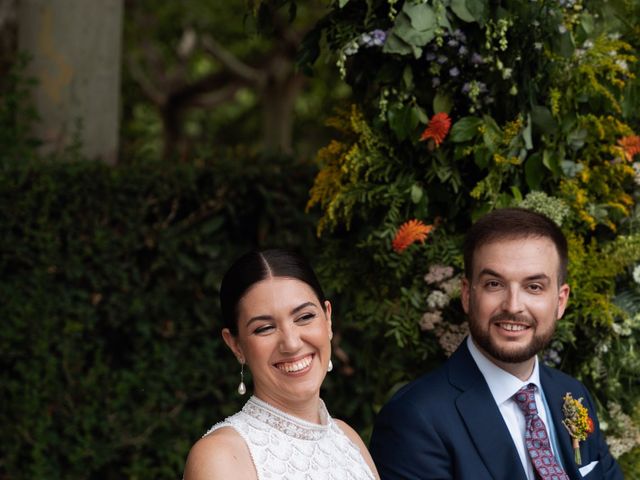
[536, 438]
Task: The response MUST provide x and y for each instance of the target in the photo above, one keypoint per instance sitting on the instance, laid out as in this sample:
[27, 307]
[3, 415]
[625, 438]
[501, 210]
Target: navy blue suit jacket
[446, 425]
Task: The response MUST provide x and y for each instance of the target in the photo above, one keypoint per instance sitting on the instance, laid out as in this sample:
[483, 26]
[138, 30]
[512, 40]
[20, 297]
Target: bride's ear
[233, 344]
[327, 311]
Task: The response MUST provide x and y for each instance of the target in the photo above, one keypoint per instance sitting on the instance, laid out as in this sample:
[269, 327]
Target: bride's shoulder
[220, 454]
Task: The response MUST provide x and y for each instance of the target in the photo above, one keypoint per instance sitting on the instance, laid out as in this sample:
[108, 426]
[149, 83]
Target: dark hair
[255, 266]
[513, 223]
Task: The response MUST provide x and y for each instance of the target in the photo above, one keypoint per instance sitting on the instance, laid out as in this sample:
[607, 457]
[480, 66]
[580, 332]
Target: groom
[493, 411]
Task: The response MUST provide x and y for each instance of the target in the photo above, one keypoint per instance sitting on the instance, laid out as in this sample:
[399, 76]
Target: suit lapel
[482, 417]
[554, 392]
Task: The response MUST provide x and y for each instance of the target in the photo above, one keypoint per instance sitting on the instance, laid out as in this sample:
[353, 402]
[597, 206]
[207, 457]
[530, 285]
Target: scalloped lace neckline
[285, 423]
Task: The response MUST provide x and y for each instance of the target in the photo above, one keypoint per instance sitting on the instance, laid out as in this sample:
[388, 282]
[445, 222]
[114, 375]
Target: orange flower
[630, 145]
[410, 232]
[438, 128]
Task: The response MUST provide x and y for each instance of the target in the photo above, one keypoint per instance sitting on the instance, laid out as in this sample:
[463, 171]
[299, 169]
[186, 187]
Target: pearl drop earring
[241, 388]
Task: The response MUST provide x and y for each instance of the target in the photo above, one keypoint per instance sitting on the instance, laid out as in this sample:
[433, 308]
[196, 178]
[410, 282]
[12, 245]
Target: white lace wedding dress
[284, 447]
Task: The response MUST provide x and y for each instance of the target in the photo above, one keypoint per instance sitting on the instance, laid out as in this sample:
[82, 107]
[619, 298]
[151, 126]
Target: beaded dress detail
[285, 447]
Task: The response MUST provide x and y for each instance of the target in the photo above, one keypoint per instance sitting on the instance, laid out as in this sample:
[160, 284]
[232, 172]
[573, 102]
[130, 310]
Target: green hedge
[111, 360]
[111, 363]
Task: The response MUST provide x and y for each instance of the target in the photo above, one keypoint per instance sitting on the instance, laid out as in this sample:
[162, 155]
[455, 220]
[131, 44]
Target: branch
[231, 62]
[146, 85]
[215, 98]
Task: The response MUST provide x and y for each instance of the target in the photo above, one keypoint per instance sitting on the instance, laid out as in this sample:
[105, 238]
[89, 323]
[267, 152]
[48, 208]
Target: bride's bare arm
[220, 455]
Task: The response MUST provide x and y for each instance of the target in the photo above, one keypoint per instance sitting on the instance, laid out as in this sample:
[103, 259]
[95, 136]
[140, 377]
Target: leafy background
[111, 360]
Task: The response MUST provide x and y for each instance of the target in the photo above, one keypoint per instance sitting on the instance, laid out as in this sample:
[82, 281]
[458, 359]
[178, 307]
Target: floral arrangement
[462, 107]
[577, 422]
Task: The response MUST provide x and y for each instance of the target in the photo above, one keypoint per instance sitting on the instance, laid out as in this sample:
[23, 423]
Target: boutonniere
[577, 422]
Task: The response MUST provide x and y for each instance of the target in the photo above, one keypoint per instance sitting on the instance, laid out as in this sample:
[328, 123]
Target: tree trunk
[76, 50]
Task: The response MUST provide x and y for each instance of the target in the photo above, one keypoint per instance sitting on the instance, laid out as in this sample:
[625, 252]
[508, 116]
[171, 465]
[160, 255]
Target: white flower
[636, 274]
[636, 167]
[622, 64]
[429, 320]
[437, 299]
[451, 287]
[438, 273]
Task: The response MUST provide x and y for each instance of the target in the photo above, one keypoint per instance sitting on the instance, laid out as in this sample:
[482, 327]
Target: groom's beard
[511, 353]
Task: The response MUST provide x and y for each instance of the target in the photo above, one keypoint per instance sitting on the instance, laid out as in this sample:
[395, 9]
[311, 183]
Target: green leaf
[421, 15]
[465, 129]
[407, 77]
[442, 103]
[481, 157]
[459, 7]
[526, 134]
[402, 120]
[551, 160]
[415, 26]
[491, 134]
[587, 22]
[395, 44]
[543, 120]
[416, 193]
[517, 194]
[342, 3]
[534, 171]
[422, 115]
[566, 46]
[478, 9]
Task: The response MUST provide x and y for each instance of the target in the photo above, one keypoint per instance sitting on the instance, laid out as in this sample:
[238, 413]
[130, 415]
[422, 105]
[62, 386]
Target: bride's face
[284, 337]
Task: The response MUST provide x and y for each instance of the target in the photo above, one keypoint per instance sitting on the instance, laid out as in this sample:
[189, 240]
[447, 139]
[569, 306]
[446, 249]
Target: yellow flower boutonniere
[577, 422]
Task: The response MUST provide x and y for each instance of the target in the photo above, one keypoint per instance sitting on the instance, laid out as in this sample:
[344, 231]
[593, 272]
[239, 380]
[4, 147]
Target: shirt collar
[501, 383]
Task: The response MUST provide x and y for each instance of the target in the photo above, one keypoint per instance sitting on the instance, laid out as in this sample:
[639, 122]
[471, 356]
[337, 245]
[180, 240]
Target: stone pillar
[76, 47]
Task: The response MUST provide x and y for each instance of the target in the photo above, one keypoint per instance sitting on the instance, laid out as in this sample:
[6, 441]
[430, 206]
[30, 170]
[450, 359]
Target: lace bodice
[284, 447]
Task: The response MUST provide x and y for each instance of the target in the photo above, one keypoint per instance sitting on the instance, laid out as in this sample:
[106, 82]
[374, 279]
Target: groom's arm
[405, 445]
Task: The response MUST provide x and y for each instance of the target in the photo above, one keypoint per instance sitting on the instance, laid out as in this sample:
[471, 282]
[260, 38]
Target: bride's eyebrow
[258, 318]
[302, 306]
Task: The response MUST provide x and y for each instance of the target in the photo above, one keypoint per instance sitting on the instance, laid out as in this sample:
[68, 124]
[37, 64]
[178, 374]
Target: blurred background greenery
[228, 115]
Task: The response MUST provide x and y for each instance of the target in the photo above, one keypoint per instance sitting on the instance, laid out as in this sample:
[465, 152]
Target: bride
[278, 323]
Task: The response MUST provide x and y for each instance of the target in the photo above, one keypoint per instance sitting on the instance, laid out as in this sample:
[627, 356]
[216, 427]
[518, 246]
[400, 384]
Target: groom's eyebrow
[488, 271]
[493, 273]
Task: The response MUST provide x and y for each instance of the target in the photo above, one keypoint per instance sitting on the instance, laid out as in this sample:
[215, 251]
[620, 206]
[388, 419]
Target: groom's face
[513, 298]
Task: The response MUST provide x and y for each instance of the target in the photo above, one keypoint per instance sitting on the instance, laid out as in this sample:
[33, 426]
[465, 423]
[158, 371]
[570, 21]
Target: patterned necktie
[536, 439]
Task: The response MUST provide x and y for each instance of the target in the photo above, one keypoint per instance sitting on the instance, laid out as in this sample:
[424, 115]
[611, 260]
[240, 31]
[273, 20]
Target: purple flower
[466, 87]
[476, 58]
[459, 34]
[462, 50]
[442, 59]
[435, 82]
[378, 37]
[454, 72]
[430, 56]
[453, 42]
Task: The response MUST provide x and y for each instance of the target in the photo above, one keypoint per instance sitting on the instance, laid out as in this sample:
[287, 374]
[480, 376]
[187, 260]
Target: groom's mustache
[512, 317]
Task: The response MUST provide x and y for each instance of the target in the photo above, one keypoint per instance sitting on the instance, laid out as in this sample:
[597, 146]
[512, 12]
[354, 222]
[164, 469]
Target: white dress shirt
[503, 386]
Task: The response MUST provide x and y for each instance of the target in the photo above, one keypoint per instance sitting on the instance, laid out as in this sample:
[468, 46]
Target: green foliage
[111, 359]
[17, 114]
[539, 95]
